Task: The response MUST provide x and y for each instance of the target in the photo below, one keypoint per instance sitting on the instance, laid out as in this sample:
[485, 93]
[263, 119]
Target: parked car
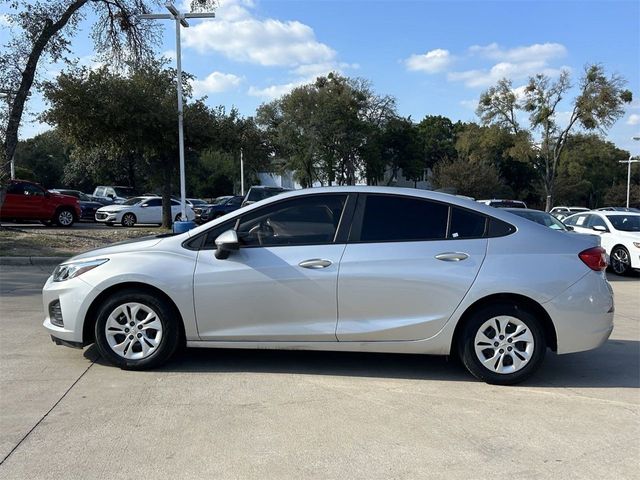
[563, 212]
[110, 195]
[221, 206]
[88, 206]
[29, 201]
[257, 193]
[619, 233]
[618, 209]
[373, 269]
[139, 210]
[195, 202]
[496, 203]
[538, 216]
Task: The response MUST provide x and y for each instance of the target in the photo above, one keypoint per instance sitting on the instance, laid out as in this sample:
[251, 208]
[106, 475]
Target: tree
[474, 179]
[121, 117]
[438, 136]
[597, 106]
[321, 130]
[43, 29]
[45, 157]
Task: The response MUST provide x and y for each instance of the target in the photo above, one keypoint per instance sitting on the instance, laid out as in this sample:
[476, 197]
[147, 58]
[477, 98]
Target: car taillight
[595, 258]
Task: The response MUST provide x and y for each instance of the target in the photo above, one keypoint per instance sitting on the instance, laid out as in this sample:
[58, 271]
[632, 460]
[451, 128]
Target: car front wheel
[620, 260]
[502, 344]
[136, 330]
[65, 218]
[129, 220]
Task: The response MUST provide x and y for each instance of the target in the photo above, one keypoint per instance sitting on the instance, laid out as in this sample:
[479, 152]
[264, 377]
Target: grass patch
[17, 241]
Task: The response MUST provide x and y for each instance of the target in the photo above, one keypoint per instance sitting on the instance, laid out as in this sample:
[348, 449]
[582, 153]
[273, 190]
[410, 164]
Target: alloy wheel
[133, 331]
[128, 220]
[65, 218]
[620, 261]
[504, 344]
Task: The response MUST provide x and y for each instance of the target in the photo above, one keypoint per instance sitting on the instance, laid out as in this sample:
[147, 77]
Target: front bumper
[105, 217]
[74, 296]
[583, 314]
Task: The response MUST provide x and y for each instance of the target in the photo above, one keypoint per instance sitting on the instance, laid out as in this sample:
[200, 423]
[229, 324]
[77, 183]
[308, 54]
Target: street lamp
[181, 21]
[629, 162]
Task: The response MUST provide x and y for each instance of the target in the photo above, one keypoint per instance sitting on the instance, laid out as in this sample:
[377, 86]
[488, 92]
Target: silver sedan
[343, 268]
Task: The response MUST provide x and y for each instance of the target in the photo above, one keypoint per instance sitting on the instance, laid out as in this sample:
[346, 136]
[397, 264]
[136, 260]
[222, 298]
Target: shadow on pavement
[614, 365]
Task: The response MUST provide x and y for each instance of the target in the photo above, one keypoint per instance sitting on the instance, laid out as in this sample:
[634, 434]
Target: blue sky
[435, 57]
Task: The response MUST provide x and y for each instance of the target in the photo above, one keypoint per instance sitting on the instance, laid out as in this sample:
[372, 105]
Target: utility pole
[241, 173]
[629, 162]
[181, 21]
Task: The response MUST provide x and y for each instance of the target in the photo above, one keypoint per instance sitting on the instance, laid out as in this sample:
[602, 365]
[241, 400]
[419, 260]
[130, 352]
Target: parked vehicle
[538, 216]
[257, 193]
[496, 203]
[88, 206]
[619, 233]
[618, 209]
[221, 206]
[563, 212]
[29, 201]
[343, 268]
[110, 195]
[139, 210]
[195, 202]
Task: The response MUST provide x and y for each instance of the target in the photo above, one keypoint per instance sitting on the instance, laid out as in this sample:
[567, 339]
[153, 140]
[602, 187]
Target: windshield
[123, 191]
[197, 202]
[84, 197]
[220, 200]
[257, 194]
[543, 218]
[133, 201]
[625, 223]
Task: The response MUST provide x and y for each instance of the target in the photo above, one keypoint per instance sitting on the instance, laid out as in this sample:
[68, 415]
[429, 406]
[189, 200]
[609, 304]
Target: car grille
[102, 216]
[55, 313]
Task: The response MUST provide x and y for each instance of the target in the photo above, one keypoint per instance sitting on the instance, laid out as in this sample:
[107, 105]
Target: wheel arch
[511, 298]
[88, 327]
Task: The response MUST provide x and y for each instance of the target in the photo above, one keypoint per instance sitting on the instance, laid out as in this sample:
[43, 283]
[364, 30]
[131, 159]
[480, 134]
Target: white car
[563, 212]
[619, 234]
[373, 269]
[139, 210]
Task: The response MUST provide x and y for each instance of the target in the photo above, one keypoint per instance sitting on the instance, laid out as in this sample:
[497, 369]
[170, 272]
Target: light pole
[629, 162]
[181, 21]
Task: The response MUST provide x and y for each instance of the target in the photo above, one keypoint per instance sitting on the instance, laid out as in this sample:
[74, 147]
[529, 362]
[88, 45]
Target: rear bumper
[583, 314]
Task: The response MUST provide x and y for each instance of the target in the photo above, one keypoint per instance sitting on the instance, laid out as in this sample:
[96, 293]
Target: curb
[34, 261]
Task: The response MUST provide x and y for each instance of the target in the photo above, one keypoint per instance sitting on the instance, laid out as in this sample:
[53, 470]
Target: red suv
[29, 201]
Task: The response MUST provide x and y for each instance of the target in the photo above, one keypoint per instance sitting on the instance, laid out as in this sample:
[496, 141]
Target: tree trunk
[167, 217]
[28, 74]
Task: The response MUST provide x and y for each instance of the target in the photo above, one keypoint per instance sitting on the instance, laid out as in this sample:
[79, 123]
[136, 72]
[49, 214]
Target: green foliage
[42, 158]
[474, 179]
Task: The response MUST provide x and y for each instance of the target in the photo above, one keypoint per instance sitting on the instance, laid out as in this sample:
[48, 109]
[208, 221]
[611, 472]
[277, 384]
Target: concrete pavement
[267, 414]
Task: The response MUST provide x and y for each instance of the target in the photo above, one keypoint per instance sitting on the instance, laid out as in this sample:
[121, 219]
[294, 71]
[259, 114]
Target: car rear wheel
[620, 260]
[502, 344]
[136, 330]
[64, 217]
[129, 220]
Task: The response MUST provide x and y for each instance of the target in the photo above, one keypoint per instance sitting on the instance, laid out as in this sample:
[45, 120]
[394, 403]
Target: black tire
[470, 359]
[165, 314]
[620, 261]
[64, 218]
[129, 220]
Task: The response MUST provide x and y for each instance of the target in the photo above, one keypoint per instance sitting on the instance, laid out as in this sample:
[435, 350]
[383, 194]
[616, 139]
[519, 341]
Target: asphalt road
[265, 414]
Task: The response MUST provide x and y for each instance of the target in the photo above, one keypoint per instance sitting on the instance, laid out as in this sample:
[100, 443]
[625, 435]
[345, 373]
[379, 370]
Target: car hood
[113, 208]
[132, 245]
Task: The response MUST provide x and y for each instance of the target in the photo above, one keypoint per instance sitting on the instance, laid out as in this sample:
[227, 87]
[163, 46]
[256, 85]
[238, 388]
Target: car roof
[615, 213]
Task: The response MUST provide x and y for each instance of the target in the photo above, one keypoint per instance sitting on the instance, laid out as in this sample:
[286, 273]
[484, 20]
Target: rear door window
[466, 224]
[403, 219]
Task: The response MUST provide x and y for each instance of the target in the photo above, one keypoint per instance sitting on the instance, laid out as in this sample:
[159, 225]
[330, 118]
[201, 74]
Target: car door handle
[452, 256]
[315, 263]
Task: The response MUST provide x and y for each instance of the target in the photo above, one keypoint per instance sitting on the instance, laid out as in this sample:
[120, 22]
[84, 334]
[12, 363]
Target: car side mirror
[569, 227]
[600, 228]
[226, 243]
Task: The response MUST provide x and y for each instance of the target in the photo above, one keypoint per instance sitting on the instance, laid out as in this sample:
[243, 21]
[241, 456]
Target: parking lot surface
[220, 414]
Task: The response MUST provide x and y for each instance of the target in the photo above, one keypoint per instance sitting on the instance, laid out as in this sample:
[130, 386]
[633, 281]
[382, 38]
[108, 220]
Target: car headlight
[67, 271]
[637, 244]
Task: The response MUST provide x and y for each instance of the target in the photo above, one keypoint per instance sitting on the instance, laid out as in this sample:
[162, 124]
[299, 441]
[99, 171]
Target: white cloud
[215, 82]
[274, 91]
[433, 61]
[240, 36]
[531, 53]
[634, 119]
[169, 55]
[513, 71]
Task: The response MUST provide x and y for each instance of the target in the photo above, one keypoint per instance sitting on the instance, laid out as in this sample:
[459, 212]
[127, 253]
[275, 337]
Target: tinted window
[299, 221]
[32, 189]
[16, 188]
[466, 224]
[175, 202]
[215, 232]
[625, 223]
[577, 220]
[154, 202]
[596, 221]
[235, 201]
[392, 219]
[498, 228]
